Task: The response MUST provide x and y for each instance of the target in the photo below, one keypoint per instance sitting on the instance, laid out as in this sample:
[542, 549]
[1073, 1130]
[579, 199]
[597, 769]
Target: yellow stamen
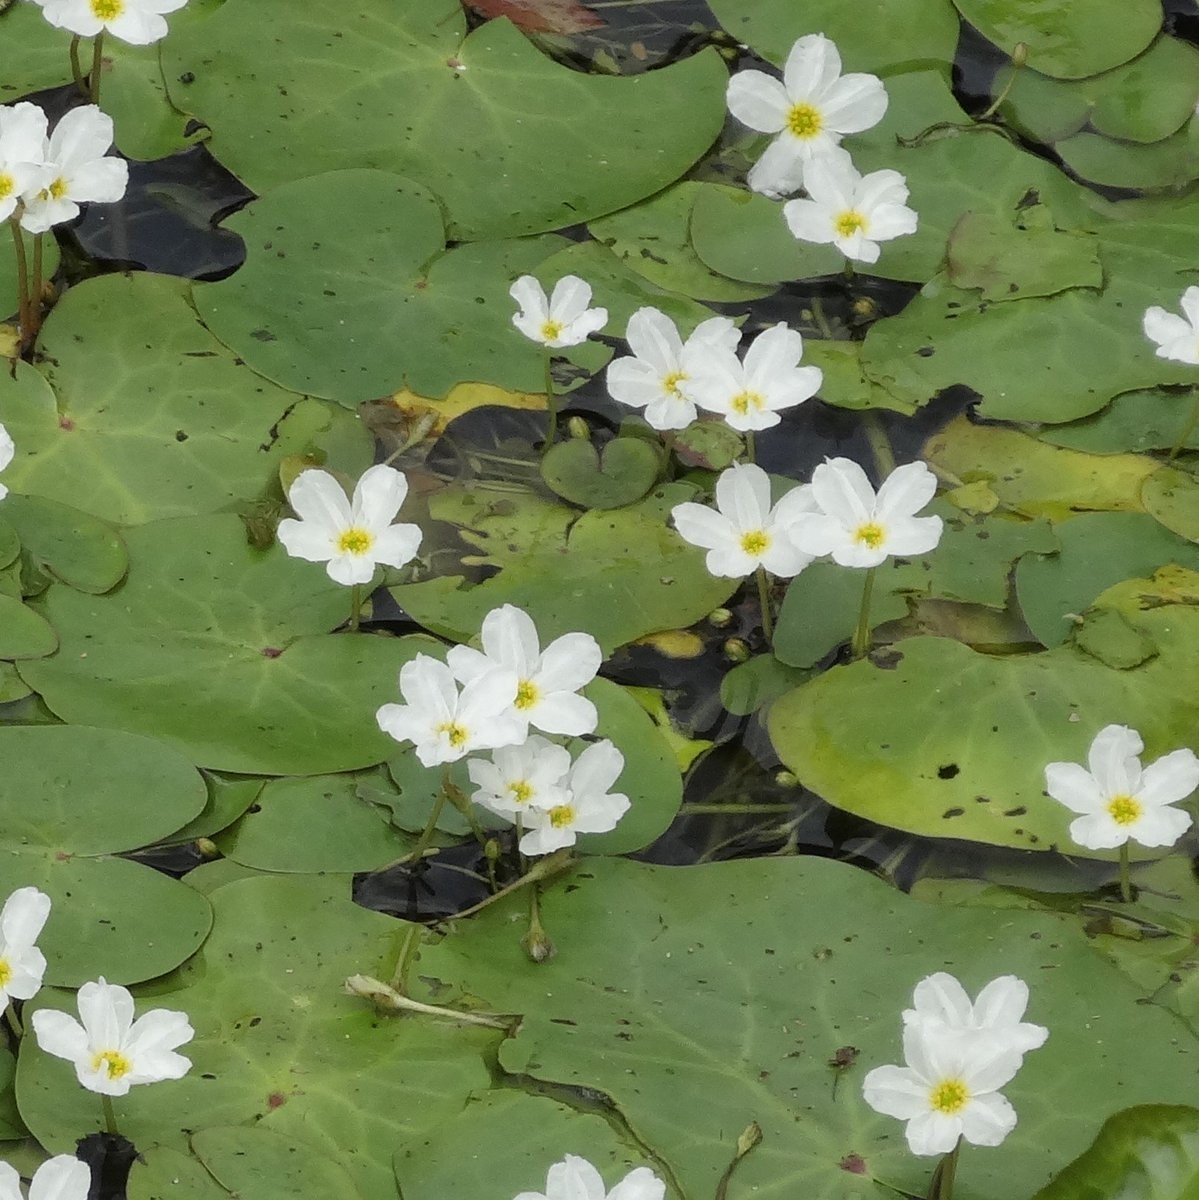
[8, 185]
[551, 330]
[870, 534]
[744, 401]
[355, 540]
[804, 121]
[756, 542]
[113, 1063]
[58, 189]
[562, 817]
[671, 383]
[849, 222]
[455, 733]
[522, 791]
[949, 1096]
[107, 10]
[5, 972]
[527, 694]
[1124, 810]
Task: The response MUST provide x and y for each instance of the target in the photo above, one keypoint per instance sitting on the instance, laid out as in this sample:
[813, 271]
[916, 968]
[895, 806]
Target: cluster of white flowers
[838, 514]
[487, 700]
[957, 1056]
[138, 22]
[44, 177]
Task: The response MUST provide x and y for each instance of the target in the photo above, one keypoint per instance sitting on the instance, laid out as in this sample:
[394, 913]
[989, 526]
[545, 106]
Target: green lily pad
[257, 1164]
[1171, 163]
[23, 633]
[222, 651]
[617, 573]
[11, 1125]
[140, 413]
[754, 684]
[1096, 550]
[1067, 41]
[1109, 636]
[83, 552]
[511, 142]
[1172, 497]
[165, 1173]
[1150, 1152]
[228, 797]
[674, 983]
[279, 1044]
[653, 238]
[65, 808]
[618, 474]
[1150, 419]
[875, 35]
[944, 742]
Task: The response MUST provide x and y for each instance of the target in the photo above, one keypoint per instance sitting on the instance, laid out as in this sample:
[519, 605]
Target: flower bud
[578, 428]
[720, 617]
[538, 945]
[736, 650]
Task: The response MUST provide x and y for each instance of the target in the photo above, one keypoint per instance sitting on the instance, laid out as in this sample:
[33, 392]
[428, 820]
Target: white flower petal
[895, 1092]
[809, 221]
[905, 491]
[779, 171]
[63, 1177]
[316, 497]
[59, 1034]
[378, 495]
[654, 338]
[854, 103]
[933, 1133]
[639, 1184]
[758, 100]
[1099, 831]
[743, 495]
[940, 997]
[569, 299]
[23, 917]
[812, 67]
[509, 639]
[987, 1120]
[1074, 786]
[1113, 759]
[1171, 778]
[530, 296]
[913, 536]
[704, 528]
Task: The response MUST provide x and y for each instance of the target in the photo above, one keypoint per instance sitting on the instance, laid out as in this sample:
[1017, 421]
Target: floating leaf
[82, 551]
[23, 633]
[619, 473]
[1151, 419]
[1171, 163]
[754, 684]
[1172, 497]
[257, 1164]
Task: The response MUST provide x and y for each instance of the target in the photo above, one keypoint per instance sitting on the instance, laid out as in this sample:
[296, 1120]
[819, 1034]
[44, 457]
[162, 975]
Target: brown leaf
[540, 16]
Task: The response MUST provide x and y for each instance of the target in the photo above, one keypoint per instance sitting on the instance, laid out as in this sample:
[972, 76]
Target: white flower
[138, 22]
[574, 1178]
[22, 151]
[860, 529]
[811, 110]
[62, 1177]
[1119, 801]
[949, 1088]
[77, 169]
[941, 1003]
[445, 725]
[547, 680]
[350, 536]
[521, 777]
[1177, 337]
[854, 212]
[745, 533]
[650, 378]
[750, 394]
[7, 450]
[588, 808]
[110, 1050]
[22, 964]
[562, 320]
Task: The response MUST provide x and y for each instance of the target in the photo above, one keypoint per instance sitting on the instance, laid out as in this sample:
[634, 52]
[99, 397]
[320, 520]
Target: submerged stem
[551, 405]
[1187, 429]
[76, 67]
[97, 62]
[861, 637]
[543, 868]
[880, 443]
[764, 601]
[1125, 875]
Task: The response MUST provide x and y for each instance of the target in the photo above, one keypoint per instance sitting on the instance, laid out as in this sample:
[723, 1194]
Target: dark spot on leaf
[953, 812]
[271, 652]
[180, 436]
[276, 1100]
[949, 771]
[982, 799]
[263, 335]
[926, 351]
[1016, 812]
[66, 424]
[855, 1164]
[886, 660]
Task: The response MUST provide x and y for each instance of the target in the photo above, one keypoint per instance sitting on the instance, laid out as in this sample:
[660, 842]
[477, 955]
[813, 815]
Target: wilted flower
[860, 529]
[562, 320]
[77, 168]
[547, 680]
[63, 1177]
[445, 725]
[811, 110]
[521, 777]
[1117, 800]
[651, 377]
[588, 807]
[110, 1050]
[854, 212]
[1177, 337]
[750, 393]
[352, 537]
[941, 1003]
[22, 964]
[949, 1087]
[744, 532]
[22, 149]
[574, 1178]
[138, 22]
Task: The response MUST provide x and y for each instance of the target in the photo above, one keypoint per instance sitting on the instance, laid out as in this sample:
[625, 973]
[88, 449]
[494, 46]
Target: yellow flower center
[870, 534]
[112, 1062]
[107, 10]
[757, 541]
[744, 401]
[848, 223]
[1124, 810]
[551, 330]
[804, 121]
[355, 540]
[5, 972]
[526, 694]
[455, 733]
[671, 383]
[7, 185]
[58, 189]
[949, 1096]
[562, 816]
[522, 791]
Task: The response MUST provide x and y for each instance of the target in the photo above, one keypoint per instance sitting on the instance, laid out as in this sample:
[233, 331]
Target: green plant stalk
[1187, 429]
[97, 63]
[76, 68]
[1125, 875]
[543, 868]
[943, 1177]
[23, 318]
[463, 804]
[551, 405]
[880, 444]
[538, 945]
[1019, 58]
[764, 601]
[35, 292]
[355, 606]
[14, 1022]
[385, 997]
[861, 637]
[110, 1116]
[751, 1137]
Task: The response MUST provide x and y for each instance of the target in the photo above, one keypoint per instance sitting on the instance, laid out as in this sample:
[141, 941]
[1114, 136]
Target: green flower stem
[22, 276]
[1019, 58]
[551, 405]
[385, 997]
[76, 68]
[1187, 429]
[110, 1116]
[1125, 875]
[849, 271]
[543, 868]
[426, 834]
[821, 320]
[750, 1137]
[463, 804]
[14, 1023]
[943, 1177]
[751, 447]
[861, 637]
[764, 601]
[355, 606]
[399, 977]
[35, 292]
[537, 944]
[880, 444]
[97, 63]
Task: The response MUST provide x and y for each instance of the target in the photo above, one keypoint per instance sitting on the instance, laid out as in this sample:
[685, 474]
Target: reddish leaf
[540, 16]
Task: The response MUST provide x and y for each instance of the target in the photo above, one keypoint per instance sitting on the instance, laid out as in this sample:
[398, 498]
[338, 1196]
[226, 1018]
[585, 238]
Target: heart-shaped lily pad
[618, 474]
[81, 550]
